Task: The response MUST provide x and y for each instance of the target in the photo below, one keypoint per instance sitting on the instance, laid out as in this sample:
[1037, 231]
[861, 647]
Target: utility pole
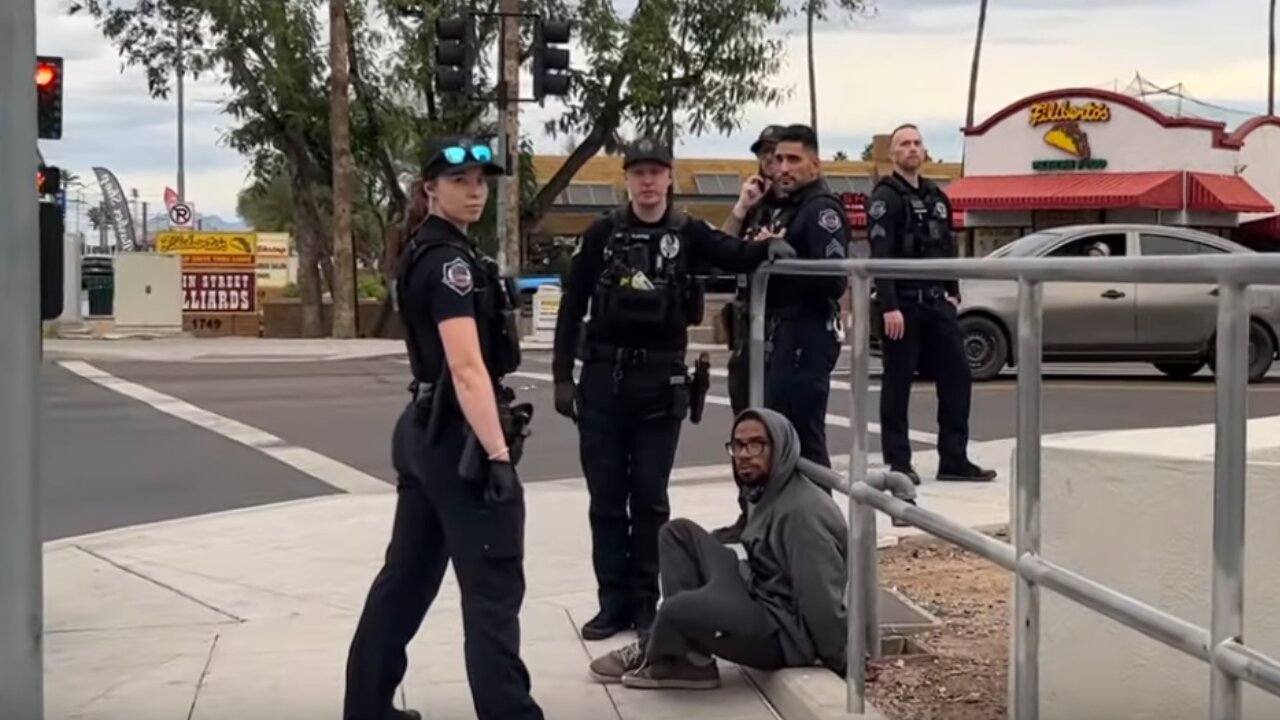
[508, 210]
[21, 591]
[182, 160]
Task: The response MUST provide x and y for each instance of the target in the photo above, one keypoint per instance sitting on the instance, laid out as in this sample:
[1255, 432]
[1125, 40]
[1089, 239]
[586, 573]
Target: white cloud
[910, 62]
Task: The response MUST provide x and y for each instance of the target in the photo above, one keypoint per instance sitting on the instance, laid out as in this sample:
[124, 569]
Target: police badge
[877, 210]
[941, 210]
[669, 246]
[829, 220]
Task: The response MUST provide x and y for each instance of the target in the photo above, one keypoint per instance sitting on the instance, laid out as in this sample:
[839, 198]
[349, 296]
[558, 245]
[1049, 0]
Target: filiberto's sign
[1066, 134]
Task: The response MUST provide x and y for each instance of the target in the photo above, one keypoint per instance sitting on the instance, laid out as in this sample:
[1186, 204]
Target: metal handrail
[1221, 645]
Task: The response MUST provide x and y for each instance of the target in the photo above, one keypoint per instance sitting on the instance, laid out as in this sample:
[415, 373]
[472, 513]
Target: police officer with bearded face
[910, 217]
[635, 268]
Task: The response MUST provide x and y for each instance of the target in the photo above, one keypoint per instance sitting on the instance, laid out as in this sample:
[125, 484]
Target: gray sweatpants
[706, 606]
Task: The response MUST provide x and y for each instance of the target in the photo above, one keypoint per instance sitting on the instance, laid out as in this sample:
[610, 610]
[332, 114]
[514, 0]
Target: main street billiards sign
[212, 291]
[1066, 134]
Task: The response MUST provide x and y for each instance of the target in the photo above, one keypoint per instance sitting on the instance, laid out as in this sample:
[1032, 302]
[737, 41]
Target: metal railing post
[1230, 449]
[755, 346]
[864, 625]
[1026, 675]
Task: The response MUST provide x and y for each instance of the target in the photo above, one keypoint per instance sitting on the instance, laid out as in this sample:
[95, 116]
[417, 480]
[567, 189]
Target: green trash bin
[99, 282]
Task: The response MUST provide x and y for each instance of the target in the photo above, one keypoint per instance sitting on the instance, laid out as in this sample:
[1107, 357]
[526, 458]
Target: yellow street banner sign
[207, 243]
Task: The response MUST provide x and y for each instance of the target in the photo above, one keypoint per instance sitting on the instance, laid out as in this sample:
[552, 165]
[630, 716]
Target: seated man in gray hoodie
[783, 607]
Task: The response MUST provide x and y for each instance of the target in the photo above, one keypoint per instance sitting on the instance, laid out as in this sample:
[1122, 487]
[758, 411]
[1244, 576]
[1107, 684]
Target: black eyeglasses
[749, 448]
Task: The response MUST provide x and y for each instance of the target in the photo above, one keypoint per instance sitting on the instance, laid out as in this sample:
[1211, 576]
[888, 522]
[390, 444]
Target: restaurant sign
[1066, 134]
[219, 292]
[207, 244]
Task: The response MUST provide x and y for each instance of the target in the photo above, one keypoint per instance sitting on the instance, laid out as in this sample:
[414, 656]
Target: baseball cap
[768, 136]
[646, 150]
[453, 155]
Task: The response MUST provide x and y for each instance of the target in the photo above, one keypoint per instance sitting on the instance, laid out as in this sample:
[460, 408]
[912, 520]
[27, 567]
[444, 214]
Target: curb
[807, 694]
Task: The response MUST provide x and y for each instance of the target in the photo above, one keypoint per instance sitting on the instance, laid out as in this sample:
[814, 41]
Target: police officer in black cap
[760, 208]
[910, 217]
[635, 267]
[454, 448]
[803, 312]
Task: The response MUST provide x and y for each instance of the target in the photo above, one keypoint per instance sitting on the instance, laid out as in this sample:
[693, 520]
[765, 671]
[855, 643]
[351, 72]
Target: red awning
[1100, 191]
[1224, 193]
[1067, 191]
[1269, 226]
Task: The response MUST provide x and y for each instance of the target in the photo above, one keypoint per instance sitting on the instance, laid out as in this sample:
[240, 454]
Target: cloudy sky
[908, 62]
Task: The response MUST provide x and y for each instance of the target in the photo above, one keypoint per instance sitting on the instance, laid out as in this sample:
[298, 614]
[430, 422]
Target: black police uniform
[767, 214]
[802, 313]
[440, 515]
[909, 222]
[633, 392]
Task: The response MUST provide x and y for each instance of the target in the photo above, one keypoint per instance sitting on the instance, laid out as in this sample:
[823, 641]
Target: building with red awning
[1091, 156]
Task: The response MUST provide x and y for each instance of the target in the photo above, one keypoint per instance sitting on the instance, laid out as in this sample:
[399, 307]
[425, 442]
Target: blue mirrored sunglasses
[456, 155]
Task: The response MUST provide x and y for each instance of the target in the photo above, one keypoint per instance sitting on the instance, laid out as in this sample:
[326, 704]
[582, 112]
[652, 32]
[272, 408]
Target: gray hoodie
[796, 541]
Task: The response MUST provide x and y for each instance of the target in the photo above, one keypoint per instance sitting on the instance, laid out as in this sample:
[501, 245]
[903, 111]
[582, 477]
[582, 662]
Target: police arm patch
[457, 276]
[829, 220]
[877, 210]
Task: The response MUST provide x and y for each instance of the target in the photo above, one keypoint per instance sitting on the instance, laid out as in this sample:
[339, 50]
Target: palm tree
[977, 56]
[811, 10]
[344, 270]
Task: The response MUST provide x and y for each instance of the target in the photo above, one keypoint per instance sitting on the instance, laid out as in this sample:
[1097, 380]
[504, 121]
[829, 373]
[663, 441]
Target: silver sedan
[1171, 326]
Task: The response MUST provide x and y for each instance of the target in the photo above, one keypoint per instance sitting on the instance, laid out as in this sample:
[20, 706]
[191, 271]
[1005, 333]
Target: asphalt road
[111, 461]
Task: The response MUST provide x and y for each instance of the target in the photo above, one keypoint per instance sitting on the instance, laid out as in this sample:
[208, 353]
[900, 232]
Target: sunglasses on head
[457, 154]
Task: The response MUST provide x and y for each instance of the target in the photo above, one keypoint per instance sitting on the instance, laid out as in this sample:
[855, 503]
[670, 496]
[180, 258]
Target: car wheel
[1262, 353]
[985, 346]
[1179, 370]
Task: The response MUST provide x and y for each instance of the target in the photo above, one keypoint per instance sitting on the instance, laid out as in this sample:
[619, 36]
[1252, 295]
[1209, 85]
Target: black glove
[781, 250]
[503, 485]
[566, 400]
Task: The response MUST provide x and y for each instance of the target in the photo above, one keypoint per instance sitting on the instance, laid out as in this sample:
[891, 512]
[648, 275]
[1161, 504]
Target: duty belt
[595, 352]
[922, 295]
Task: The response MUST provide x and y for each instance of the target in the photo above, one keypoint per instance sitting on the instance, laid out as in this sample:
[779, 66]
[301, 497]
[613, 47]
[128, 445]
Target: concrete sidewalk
[248, 614]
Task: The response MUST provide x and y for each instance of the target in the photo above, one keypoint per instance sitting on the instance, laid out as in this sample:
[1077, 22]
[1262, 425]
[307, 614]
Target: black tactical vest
[496, 307]
[927, 229]
[647, 286]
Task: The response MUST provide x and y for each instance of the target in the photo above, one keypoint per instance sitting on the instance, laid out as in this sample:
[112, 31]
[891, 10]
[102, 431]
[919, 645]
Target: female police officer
[459, 497]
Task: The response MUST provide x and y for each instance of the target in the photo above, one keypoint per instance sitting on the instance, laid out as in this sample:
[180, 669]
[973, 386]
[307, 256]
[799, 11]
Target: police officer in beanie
[635, 267]
[910, 217]
[455, 449]
[803, 312]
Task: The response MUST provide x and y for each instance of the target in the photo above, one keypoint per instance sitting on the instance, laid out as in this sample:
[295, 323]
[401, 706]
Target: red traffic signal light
[48, 76]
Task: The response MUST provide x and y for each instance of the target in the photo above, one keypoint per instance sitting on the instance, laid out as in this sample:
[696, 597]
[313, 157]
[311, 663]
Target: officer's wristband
[503, 451]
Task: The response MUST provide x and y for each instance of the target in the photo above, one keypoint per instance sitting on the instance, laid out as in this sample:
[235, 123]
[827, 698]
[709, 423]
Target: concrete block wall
[1143, 525]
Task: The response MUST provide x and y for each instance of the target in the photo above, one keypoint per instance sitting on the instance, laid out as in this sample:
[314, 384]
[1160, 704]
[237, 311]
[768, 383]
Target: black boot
[608, 622]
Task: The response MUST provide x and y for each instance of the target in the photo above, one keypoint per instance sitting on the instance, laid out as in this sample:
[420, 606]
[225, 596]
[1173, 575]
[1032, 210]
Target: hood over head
[786, 449]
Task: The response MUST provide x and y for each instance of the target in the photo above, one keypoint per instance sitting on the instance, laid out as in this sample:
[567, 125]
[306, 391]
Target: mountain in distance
[209, 223]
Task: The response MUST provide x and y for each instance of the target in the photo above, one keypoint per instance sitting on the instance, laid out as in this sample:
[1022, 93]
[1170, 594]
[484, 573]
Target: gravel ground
[963, 677]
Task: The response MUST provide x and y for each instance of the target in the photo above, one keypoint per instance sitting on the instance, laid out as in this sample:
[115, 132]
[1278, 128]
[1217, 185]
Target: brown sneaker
[668, 675]
[611, 667]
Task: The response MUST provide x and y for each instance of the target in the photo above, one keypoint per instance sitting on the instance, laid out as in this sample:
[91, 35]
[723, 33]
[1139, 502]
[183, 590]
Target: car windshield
[1026, 245]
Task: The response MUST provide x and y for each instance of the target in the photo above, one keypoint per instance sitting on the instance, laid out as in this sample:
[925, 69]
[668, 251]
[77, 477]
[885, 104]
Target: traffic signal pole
[508, 210]
[21, 611]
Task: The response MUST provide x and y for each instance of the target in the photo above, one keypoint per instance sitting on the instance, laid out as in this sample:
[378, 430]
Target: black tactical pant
[707, 607]
[932, 332]
[802, 354]
[440, 517]
[628, 431]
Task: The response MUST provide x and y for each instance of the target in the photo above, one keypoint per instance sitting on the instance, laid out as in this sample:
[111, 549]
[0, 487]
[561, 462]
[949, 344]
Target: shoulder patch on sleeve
[877, 209]
[456, 275]
[829, 220]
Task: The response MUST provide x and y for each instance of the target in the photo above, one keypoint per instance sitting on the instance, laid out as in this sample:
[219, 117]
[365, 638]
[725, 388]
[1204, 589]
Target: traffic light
[550, 64]
[49, 97]
[48, 180]
[455, 53]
